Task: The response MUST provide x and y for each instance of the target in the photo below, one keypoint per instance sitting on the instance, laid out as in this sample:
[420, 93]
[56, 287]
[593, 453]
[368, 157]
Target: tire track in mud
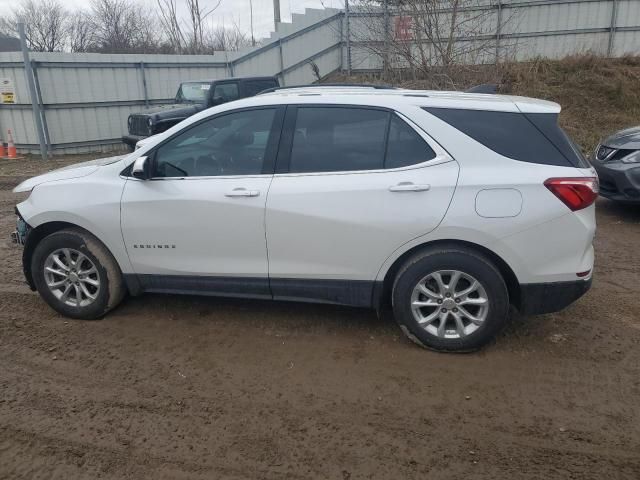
[186, 387]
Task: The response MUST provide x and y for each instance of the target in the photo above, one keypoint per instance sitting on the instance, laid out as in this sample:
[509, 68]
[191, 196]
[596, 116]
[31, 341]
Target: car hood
[65, 173]
[627, 139]
[169, 111]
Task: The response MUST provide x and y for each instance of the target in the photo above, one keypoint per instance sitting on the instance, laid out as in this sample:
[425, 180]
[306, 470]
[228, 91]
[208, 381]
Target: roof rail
[316, 85]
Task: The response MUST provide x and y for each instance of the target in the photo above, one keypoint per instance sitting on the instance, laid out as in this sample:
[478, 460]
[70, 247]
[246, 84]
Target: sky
[229, 11]
[263, 12]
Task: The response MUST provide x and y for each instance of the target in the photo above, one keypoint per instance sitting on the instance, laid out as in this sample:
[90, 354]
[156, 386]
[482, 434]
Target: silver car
[617, 161]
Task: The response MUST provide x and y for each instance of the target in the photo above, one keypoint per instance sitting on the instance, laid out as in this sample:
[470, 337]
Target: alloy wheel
[449, 304]
[72, 277]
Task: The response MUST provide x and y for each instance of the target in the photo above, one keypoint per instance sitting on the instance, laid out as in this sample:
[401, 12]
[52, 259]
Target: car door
[343, 199]
[198, 223]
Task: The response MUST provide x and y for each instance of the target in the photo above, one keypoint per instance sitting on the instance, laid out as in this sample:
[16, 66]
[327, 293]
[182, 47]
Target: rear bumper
[131, 140]
[619, 181]
[539, 298]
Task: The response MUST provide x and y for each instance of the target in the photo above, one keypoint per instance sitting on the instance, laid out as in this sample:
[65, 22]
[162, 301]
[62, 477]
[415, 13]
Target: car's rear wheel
[76, 274]
[450, 299]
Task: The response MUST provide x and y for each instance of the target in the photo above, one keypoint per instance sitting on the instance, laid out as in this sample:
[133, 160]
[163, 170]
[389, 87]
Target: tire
[421, 321]
[67, 246]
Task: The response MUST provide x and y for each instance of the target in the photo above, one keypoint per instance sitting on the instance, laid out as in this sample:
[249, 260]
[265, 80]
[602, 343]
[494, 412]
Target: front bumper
[22, 236]
[131, 140]
[19, 235]
[539, 298]
[619, 181]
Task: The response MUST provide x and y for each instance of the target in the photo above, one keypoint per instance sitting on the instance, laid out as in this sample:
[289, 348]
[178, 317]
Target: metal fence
[516, 29]
[84, 99]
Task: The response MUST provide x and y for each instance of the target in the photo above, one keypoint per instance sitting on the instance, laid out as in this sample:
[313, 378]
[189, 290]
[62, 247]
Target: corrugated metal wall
[86, 98]
[527, 29]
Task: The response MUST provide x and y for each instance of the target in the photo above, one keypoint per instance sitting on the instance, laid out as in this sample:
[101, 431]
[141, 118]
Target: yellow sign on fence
[7, 92]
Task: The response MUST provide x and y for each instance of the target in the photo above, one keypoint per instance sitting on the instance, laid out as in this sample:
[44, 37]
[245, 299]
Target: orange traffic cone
[11, 148]
[3, 151]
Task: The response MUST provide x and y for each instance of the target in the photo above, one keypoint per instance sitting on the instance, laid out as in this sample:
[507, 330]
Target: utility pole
[253, 39]
[276, 13]
[612, 28]
[387, 29]
[28, 71]
[498, 31]
[348, 35]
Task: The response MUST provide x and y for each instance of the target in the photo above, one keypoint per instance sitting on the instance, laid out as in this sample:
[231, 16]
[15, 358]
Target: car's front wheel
[450, 299]
[76, 274]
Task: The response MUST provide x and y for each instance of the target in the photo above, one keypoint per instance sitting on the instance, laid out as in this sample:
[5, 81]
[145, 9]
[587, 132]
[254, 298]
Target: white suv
[449, 206]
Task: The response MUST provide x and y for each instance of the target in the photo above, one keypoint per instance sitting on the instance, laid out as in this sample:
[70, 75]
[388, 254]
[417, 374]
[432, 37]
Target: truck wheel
[450, 299]
[76, 274]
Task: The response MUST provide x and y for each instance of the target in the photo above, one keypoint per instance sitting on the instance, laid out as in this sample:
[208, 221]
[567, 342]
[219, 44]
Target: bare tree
[7, 28]
[229, 39]
[80, 32]
[315, 70]
[170, 22]
[197, 17]
[192, 35]
[121, 26]
[429, 37]
[45, 24]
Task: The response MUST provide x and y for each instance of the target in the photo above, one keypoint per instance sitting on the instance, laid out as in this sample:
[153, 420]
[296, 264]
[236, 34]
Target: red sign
[403, 28]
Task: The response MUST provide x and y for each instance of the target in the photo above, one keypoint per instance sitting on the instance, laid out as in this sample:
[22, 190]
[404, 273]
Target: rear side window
[253, 87]
[334, 139]
[226, 91]
[510, 134]
[405, 147]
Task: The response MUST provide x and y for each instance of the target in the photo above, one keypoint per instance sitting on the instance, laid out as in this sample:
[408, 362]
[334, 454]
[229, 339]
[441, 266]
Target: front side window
[232, 144]
[226, 92]
[334, 139]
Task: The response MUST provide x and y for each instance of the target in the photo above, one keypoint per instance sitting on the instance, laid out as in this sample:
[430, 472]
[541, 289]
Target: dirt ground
[188, 387]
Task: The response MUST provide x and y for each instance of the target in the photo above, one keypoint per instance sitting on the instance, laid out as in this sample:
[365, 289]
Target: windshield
[192, 92]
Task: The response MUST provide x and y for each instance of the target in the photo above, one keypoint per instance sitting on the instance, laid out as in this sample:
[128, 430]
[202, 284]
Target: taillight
[576, 193]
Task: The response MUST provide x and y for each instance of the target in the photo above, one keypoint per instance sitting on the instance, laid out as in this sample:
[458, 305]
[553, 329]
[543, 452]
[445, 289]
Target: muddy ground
[188, 387]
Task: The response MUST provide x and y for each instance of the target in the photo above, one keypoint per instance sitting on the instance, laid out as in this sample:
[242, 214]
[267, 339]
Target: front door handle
[409, 187]
[242, 192]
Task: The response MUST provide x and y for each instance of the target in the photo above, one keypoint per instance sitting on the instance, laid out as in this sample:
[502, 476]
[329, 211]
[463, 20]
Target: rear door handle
[242, 192]
[409, 187]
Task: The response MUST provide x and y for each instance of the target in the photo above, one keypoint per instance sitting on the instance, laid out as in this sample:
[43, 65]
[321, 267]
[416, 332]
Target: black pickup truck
[191, 98]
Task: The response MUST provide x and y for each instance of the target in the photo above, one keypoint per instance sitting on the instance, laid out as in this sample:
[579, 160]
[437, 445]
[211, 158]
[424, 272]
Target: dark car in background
[192, 97]
[617, 161]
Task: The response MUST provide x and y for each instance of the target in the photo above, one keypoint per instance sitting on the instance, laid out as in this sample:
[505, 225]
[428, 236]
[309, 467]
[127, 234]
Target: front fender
[91, 203]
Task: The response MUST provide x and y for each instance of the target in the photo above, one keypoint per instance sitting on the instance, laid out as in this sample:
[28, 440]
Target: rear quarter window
[404, 146]
[514, 135]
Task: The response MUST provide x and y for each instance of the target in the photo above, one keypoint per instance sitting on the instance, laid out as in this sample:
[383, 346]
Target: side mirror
[140, 168]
